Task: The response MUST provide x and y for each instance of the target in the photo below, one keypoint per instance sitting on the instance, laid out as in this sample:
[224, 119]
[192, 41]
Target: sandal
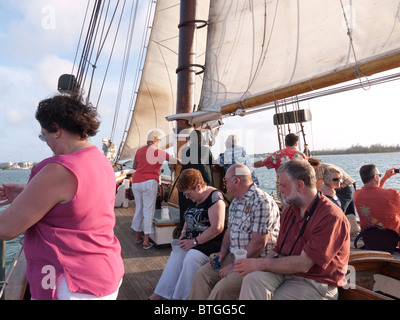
[149, 246]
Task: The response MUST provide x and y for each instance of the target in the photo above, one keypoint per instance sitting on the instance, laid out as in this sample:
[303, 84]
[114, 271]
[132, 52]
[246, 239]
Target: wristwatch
[195, 241]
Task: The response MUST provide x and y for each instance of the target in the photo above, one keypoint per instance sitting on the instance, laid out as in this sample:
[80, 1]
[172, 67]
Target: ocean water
[349, 163]
[19, 177]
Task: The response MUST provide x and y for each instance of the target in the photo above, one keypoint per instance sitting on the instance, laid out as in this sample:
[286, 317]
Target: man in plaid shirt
[253, 224]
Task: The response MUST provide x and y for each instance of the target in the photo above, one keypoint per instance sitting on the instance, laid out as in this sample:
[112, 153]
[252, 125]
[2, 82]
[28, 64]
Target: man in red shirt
[375, 204]
[310, 258]
[279, 157]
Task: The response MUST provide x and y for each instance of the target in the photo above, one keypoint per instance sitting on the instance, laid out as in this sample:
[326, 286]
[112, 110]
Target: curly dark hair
[189, 179]
[70, 113]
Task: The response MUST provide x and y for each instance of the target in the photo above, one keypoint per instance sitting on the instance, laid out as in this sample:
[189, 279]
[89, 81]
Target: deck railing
[2, 268]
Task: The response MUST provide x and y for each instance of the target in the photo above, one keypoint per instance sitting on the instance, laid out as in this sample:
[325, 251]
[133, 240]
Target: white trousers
[145, 194]
[177, 277]
[63, 293]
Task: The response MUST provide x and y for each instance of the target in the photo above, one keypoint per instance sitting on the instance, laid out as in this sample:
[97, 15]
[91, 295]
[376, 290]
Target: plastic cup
[240, 254]
[175, 245]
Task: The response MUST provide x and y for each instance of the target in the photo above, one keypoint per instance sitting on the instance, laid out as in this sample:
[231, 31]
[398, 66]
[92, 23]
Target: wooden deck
[143, 268]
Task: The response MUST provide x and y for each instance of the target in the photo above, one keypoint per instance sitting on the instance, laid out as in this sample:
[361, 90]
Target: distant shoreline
[355, 149]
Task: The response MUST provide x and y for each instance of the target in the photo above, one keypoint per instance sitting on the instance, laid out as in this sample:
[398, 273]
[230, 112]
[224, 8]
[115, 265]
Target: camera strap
[310, 213]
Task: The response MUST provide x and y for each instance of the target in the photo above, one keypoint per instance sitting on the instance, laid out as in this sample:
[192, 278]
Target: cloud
[41, 28]
[16, 116]
[50, 68]
[16, 88]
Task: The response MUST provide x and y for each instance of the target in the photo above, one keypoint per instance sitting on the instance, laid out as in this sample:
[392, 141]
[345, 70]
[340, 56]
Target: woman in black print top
[201, 235]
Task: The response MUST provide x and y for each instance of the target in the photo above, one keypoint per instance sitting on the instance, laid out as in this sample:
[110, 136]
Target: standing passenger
[236, 154]
[67, 209]
[279, 157]
[147, 163]
[195, 156]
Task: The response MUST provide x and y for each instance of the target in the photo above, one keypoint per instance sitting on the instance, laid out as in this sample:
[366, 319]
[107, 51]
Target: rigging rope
[327, 92]
[285, 122]
[100, 48]
[139, 70]
[110, 56]
[98, 20]
[80, 37]
[125, 64]
[82, 69]
[90, 56]
[357, 70]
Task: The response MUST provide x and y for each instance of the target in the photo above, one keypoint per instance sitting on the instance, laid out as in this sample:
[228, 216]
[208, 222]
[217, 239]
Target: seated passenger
[201, 235]
[312, 252]
[375, 204]
[253, 223]
[345, 193]
[331, 181]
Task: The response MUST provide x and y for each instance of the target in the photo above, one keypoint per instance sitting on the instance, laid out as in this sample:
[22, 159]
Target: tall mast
[187, 59]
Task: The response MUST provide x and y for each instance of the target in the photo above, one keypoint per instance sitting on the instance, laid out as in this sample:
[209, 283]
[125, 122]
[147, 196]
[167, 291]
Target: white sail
[261, 51]
[157, 93]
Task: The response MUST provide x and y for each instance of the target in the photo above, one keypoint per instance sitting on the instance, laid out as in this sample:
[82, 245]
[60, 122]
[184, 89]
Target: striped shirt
[256, 211]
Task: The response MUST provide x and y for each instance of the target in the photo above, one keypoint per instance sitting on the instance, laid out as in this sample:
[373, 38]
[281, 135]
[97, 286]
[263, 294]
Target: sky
[38, 40]
[363, 117]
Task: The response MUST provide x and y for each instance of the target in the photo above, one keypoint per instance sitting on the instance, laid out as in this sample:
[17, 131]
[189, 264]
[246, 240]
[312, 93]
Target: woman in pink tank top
[67, 209]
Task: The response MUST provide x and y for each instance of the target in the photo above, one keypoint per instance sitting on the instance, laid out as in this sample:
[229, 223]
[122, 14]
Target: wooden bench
[374, 271]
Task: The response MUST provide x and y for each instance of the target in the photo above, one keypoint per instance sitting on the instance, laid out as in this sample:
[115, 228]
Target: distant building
[15, 165]
[25, 165]
[6, 165]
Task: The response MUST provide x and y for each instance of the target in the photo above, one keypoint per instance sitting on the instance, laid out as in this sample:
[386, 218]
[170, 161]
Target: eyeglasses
[375, 174]
[337, 179]
[42, 137]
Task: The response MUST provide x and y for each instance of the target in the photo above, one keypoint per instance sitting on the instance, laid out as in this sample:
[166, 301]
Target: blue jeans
[345, 196]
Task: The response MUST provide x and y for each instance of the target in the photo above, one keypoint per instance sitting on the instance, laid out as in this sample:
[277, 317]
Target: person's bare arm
[52, 185]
